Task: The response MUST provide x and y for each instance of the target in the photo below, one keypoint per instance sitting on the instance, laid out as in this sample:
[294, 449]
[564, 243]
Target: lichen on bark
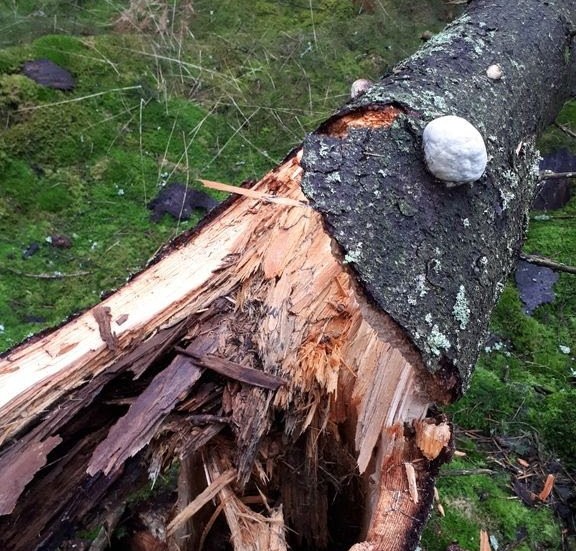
[436, 258]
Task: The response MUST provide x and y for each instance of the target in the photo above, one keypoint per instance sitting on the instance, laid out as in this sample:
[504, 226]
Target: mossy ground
[222, 89]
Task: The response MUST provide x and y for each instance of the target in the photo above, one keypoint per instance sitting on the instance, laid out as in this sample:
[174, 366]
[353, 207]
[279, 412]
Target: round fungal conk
[359, 87]
[454, 150]
[494, 72]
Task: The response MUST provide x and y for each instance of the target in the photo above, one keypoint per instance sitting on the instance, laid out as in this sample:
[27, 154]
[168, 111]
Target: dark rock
[60, 241]
[30, 250]
[179, 201]
[555, 193]
[535, 284]
[31, 318]
[47, 73]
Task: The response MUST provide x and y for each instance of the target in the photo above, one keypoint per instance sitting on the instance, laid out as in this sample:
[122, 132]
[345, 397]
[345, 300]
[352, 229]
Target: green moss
[473, 502]
[554, 137]
[67, 51]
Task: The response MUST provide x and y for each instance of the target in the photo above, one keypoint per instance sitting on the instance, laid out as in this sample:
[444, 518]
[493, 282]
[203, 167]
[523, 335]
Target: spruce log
[347, 295]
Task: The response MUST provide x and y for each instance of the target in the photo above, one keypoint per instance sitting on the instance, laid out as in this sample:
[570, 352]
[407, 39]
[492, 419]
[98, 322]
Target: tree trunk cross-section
[287, 354]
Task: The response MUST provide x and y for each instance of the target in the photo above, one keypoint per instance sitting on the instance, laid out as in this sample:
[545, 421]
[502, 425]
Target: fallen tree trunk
[288, 352]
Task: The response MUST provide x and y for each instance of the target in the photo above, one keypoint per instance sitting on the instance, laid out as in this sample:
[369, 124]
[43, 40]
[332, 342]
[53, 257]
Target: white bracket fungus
[454, 150]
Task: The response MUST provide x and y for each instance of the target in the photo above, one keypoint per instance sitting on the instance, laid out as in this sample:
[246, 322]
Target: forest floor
[169, 91]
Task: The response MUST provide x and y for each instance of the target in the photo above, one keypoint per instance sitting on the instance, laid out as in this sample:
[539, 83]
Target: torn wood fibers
[247, 355]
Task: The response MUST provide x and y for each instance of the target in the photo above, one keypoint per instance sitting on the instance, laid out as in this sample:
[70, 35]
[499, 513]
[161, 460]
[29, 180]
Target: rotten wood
[103, 319]
[136, 428]
[234, 370]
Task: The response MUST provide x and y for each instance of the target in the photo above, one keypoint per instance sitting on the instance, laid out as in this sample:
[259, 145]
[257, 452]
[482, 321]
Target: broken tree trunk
[287, 353]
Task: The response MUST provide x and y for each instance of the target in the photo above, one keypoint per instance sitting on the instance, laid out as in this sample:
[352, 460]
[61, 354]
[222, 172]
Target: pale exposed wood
[247, 192]
[412, 484]
[216, 486]
[294, 299]
[33, 377]
[484, 541]
[432, 438]
[250, 531]
[394, 514]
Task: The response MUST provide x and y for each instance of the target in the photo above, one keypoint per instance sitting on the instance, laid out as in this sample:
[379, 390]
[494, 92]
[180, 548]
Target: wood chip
[412, 486]
[103, 318]
[253, 194]
[548, 486]
[484, 541]
[522, 462]
[432, 438]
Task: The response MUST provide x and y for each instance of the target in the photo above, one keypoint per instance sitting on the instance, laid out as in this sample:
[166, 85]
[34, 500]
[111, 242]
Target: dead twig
[548, 263]
[565, 129]
[549, 175]
[53, 275]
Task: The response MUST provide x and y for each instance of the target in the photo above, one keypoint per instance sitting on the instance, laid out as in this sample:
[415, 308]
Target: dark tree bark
[287, 352]
[422, 250]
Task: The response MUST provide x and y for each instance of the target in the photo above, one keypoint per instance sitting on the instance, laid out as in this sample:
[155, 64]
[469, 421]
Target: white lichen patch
[420, 288]
[354, 255]
[507, 197]
[511, 178]
[437, 341]
[461, 308]
[324, 150]
[333, 177]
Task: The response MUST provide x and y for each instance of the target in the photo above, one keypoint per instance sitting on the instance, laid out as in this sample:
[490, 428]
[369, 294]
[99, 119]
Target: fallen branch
[548, 263]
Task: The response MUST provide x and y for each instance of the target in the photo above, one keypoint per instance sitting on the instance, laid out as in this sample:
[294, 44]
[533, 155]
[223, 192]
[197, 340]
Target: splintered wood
[260, 295]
